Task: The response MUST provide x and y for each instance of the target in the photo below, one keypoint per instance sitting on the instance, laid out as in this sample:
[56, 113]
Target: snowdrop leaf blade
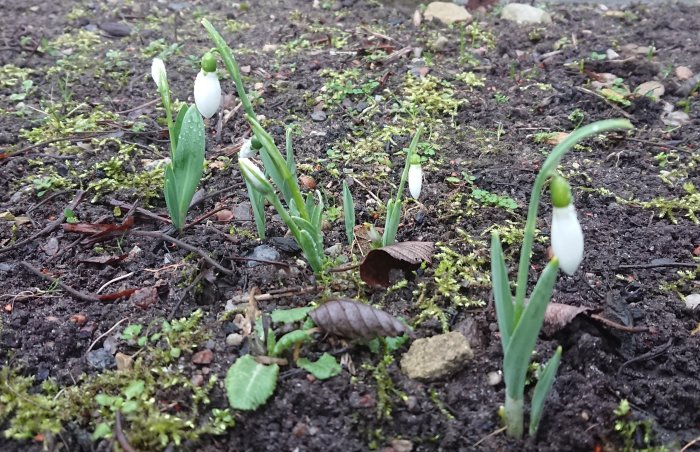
[171, 197]
[542, 388]
[188, 161]
[257, 201]
[348, 213]
[503, 298]
[178, 124]
[522, 342]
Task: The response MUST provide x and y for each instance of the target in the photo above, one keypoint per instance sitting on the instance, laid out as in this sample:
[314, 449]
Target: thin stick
[118, 278]
[138, 107]
[140, 210]
[185, 246]
[661, 145]
[690, 444]
[119, 433]
[75, 293]
[49, 227]
[494, 433]
[105, 334]
[646, 356]
[612, 324]
[613, 106]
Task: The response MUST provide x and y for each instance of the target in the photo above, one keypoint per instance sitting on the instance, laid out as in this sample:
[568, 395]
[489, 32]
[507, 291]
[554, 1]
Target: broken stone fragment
[436, 357]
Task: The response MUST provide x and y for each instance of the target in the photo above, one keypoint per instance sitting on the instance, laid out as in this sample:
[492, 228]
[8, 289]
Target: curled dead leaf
[375, 268]
[559, 315]
[353, 320]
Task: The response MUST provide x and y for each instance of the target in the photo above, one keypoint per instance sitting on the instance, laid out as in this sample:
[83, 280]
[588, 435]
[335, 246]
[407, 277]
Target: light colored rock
[447, 13]
[652, 89]
[675, 118]
[692, 301]
[436, 357]
[440, 43]
[611, 54]
[494, 378]
[234, 339]
[683, 73]
[525, 14]
[268, 48]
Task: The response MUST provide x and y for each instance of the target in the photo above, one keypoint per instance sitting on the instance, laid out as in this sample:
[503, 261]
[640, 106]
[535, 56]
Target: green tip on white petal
[560, 191]
[158, 72]
[207, 93]
[567, 238]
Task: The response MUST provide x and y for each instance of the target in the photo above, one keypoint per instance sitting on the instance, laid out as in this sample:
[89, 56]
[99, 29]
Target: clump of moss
[428, 97]
[159, 405]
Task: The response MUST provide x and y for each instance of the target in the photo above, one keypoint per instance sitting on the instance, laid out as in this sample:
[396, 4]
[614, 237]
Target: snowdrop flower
[158, 72]
[567, 236]
[254, 176]
[207, 89]
[415, 177]
[247, 150]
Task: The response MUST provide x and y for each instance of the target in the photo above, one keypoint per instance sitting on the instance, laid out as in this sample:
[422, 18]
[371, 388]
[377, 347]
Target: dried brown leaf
[558, 315]
[375, 268]
[353, 320]
[104, 260]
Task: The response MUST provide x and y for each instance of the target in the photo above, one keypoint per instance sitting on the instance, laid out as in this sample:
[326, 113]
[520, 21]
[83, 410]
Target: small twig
[661, 145]
[690, 444]
[203, 217]
[119, 433]
[47, 199]
[361, 184]
[493, 433]
[105, 334]
[646, 356]
[185, 246]
[139, 210]
[659, 265]
[49, 227]
[118, 278]
[618, 326]
[272, 296]
[138, 107]
[600, 96]
[75, 293]
[344, 268]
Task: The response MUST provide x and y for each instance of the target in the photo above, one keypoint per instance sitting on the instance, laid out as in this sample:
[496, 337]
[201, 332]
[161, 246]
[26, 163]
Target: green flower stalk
[519, 323]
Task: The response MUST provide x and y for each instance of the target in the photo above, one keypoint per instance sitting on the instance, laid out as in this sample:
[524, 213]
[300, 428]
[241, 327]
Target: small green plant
[183, 173]
[519, 322]
[631, 431]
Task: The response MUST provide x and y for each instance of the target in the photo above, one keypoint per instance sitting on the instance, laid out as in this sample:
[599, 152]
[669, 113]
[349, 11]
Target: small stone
[683, 72]
[263, 253]
[447, 13]
[318, 114]
[585, 416]
[234, 339]
[401, 445]
[692, 301]
[525, 14]
[675, 118]
[242, 212]
[494, 378]
[203, 357]
[440, 44]
[436, 357]
[334, 250]
[197, 379]
[124, 361]
[268, 48]
[651, 89]
[116, 29]
[100, 359]
[611, 54]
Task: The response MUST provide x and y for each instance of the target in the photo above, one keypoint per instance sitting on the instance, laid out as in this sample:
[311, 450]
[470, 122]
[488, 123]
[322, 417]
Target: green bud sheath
[208, 62]
[255, 143]
[560, 191]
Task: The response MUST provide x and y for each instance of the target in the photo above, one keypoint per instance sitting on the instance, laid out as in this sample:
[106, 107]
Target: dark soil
[630, 269]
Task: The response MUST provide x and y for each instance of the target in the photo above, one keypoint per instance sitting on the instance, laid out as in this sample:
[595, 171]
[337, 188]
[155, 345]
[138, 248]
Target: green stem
[165, 97]
[409, 154]
[231, 65]
[548, 168]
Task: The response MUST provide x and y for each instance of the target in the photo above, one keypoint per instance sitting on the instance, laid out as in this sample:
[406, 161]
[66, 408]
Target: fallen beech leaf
[559, 315]
[104, 260]
[375, 268]
[353, 320]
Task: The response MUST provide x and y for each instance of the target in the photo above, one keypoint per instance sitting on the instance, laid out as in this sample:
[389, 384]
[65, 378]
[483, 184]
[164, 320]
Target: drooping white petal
[207, 93]
[158, 71]
[254, 175]
[247, 150]
[567, 238]
[415, 180]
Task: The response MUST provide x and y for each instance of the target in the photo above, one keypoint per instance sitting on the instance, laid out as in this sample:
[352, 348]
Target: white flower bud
[254, 176]
[207, 93]
[415, 179]
[158, 72]
[567, 238]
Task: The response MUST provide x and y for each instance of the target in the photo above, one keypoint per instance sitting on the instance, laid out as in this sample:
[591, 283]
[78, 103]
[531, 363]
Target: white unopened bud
[207, 93]
[415, 179]
[567, 238]
[247, 150]
[158, 72]
[254, 176]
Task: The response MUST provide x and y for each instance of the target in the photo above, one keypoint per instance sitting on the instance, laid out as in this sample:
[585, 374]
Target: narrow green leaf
[289, 340]
[349, 213]
[542, 388]
[326, 366]
[522, 341]
[134, 389]
[291, 164]
[313, 231]
[313, 254]
[257, 201]
[290, 315]
[391, 225]
[170, 191]
[178, 124]
[503, 299]
[249, 384]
